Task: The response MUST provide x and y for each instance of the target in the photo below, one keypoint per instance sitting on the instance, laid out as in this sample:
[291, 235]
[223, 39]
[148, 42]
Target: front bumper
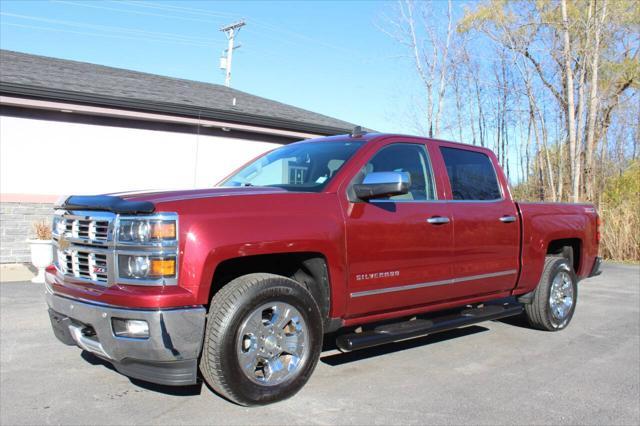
[168, 356]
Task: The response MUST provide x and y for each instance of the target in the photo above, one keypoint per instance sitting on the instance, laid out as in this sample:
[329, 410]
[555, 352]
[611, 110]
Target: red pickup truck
[374, 238]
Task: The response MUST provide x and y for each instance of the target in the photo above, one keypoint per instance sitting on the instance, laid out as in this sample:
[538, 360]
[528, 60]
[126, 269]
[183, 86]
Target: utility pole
[225, 62]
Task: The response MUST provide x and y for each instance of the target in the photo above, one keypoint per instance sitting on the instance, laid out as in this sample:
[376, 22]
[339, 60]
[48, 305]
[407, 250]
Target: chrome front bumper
[168, 356]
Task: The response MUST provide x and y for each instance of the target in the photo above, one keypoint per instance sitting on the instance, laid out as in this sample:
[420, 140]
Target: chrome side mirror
[382, 184]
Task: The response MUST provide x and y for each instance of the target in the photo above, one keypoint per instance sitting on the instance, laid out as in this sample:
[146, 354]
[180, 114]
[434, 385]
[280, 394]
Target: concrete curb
[12, 272]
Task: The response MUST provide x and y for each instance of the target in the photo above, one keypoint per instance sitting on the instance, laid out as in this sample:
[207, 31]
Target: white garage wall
[55, 158]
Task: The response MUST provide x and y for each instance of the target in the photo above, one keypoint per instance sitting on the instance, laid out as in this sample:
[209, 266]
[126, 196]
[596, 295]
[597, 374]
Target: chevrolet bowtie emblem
[63, 243]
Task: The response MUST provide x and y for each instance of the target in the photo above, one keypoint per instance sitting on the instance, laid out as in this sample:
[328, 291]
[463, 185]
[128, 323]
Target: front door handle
[507, 219]
[438, 220]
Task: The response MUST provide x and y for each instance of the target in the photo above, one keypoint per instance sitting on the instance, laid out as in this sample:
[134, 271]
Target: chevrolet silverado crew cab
[371, 238]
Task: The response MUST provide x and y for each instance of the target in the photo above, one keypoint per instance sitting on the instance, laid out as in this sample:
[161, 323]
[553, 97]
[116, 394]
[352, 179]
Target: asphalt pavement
[498, 372]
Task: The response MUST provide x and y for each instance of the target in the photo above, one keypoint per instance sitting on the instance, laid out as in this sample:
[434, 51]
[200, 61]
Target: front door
[398, 248]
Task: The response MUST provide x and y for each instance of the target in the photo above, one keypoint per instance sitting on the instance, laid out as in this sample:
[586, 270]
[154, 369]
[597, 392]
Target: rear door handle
[438, 220]
[507, 219]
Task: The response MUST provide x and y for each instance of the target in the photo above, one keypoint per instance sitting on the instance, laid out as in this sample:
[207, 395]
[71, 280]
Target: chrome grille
[83, 264]
[89, 229]
[84, 240]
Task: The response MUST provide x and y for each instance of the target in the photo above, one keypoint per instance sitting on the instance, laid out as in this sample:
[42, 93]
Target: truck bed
[544, 223]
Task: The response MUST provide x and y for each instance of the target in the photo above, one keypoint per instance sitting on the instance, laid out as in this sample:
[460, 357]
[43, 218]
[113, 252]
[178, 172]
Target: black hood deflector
[109, 203]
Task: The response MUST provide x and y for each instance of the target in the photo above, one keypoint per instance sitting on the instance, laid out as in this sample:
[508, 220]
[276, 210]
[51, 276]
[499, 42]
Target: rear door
[486, 224]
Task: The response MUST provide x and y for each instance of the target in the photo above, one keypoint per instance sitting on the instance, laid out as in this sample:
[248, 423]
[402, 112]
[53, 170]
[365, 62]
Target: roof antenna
[357, 132]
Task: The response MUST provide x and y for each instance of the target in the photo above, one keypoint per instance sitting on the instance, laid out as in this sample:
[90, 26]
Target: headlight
[59, 225]
[146, 230]
[141, 266]
[147, 249]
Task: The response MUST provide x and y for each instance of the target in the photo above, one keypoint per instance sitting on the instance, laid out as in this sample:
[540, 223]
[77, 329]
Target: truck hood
[144, 202]
[159, 196]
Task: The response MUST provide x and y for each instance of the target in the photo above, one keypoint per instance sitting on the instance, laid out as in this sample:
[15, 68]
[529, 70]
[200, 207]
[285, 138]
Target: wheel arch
[569, 248]
[307, 268]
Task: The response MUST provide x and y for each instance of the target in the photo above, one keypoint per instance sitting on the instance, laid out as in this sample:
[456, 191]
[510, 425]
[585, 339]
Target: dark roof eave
[151, 106]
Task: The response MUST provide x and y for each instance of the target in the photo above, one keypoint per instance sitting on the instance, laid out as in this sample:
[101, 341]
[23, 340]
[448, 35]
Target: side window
[471, 175]
[405, 157]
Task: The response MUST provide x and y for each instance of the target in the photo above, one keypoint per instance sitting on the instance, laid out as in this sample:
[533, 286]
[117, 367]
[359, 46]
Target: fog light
[136, 329]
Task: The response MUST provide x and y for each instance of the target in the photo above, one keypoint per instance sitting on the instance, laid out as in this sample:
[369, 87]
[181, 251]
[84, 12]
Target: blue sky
[328, 57]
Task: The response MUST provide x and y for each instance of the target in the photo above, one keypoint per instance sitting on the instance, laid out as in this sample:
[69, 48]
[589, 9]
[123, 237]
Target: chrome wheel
[272, 344]
[561, 296]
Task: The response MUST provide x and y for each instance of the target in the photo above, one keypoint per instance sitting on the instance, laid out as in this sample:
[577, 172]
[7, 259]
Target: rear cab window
[471, 175]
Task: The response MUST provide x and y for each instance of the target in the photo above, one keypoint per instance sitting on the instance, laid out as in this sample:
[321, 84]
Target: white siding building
[76, 128]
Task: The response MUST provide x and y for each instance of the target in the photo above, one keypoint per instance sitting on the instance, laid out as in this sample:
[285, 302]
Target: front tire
[263, 339]
[554, 299]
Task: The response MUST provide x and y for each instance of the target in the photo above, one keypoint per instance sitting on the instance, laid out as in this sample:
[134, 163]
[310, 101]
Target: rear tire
[554, 299]
[263, 339]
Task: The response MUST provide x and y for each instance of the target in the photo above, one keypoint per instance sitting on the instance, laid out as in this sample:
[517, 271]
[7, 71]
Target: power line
[167, 36]
[93, 34]
[202, 12]
[177, 12]
[273, 32]
[129, 11]
[306, 39]
[169, 7]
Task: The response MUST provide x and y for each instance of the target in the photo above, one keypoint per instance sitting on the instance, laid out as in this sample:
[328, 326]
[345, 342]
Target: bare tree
[569, 90]
[593, 99]
[548, 86]
[415, 27]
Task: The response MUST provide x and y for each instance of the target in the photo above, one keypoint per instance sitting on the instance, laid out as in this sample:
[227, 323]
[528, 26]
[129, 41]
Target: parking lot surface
[498, 372]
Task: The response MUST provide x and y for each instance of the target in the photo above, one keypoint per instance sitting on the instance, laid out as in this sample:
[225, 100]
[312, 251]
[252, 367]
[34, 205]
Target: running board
[390, 333]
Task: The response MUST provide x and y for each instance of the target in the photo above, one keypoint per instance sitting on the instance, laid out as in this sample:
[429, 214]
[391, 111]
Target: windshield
[308, 166]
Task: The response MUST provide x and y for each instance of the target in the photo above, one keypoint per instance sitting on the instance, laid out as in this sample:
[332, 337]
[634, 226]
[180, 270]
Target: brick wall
[16, 221]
